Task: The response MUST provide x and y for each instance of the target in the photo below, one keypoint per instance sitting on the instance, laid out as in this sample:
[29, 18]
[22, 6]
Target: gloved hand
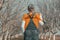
[44, 21]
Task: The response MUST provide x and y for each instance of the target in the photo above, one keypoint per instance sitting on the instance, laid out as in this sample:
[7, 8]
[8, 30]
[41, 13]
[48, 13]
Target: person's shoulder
[25, 15]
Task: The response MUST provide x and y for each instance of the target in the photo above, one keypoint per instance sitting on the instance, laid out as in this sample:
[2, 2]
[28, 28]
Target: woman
[30, 24]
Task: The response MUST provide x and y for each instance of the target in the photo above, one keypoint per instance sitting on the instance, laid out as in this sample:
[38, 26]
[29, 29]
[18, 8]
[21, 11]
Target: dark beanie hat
[30, 6]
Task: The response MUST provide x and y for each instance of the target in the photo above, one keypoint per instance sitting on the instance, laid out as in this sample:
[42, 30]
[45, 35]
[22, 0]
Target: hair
[30, 7]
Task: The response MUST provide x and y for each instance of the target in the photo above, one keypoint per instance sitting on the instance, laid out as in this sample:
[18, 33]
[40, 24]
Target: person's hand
[44, 21]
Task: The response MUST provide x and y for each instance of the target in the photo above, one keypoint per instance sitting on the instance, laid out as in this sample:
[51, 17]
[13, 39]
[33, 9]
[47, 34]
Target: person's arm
[22, 26]
[41, 20]
[23, 22]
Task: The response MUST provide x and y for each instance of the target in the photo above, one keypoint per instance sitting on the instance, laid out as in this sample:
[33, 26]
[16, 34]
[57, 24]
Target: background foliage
[12, 11]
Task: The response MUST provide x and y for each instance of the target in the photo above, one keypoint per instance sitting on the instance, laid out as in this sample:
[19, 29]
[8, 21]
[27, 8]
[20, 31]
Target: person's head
[31, 8]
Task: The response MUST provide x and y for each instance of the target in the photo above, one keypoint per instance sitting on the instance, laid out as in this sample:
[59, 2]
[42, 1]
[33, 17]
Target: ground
[17, 37]
[21, 38]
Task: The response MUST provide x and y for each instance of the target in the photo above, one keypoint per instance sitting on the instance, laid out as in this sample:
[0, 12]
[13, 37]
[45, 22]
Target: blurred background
[11, 12]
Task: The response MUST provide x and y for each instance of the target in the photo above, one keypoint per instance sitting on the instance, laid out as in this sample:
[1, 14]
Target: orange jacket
[36, 19]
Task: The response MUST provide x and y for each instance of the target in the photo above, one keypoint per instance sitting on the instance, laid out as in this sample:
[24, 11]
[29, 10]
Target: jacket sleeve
[23, 23]
[22, 26]
[41, 20]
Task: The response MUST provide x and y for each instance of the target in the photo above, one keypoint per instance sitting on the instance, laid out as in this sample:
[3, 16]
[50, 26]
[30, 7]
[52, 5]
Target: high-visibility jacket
[36, 19]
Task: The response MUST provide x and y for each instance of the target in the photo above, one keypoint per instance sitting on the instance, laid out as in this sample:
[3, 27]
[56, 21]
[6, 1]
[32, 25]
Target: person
[30, 23]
